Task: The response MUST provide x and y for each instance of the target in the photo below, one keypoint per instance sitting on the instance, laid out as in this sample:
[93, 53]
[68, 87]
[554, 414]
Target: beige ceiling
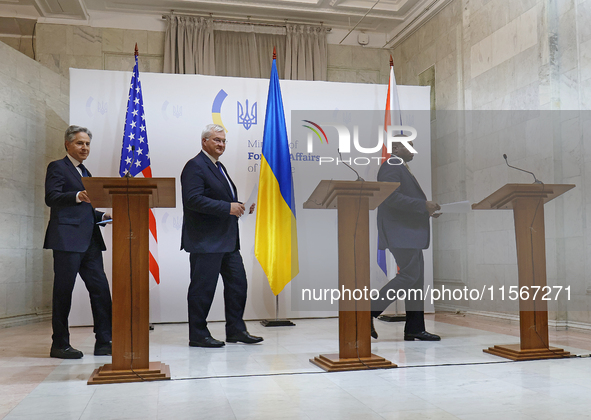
[384, 16]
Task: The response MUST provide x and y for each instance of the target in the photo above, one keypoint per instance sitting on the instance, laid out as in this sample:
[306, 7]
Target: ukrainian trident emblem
[247, 116]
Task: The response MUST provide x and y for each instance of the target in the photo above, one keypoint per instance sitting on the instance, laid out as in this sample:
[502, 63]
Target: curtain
[192, 46]
[247, 53]
[189, 45]
[306, 57]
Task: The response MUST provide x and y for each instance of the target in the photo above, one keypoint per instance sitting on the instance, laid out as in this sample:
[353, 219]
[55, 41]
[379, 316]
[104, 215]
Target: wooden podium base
[157, 371]
[332, 363]
[514, 352]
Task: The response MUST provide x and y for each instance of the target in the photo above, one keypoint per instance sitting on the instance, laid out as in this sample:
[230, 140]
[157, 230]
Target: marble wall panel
[12, 264]
[8, 62]
[28, 109]
[340, 55]
[367, 76]
[336, 75]
[426, 34]
[131, 37]
[6, 159]
[156, 43]
[9, 228]
[425, 59]
[525, 67]
[481, 57]
[113, 40]
[573, 207]
[446, 94]
[51, 61]
[447, 44]
[410, 47]
[527, 24]
[84, 40]
[49, 82]
[23, 167]
[366, 58]
[448, 150]
[479, 25]
[499, 14]
[17, 299]
[449, 267]
[51, 39]
[2, 300]
[569, 90]
[526, 97]
[504, 43]
[518, 7]
[584, 17]
[585, 94]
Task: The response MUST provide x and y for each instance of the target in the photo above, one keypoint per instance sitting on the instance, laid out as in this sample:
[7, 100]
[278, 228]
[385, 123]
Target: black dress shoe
[103, 349]
[244, 337]
[423, 336]
[207, 342]
[374, 333]
[67, 353]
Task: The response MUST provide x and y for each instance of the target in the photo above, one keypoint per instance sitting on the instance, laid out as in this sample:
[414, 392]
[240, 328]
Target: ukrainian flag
[276, 242]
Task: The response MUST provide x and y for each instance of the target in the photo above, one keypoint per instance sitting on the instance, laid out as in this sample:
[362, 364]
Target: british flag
[135, 155]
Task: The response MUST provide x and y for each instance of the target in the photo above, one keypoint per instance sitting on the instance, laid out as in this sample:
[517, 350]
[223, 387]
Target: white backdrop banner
[177, 108]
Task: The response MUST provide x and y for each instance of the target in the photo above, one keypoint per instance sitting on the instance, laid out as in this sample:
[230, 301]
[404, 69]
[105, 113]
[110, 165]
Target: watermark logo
[392, 136]
[316, 129]
[246, 116]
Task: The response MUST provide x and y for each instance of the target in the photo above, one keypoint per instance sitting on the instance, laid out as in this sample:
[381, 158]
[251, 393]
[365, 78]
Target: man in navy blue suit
[77, 244]
[403, 228]
[210, 234]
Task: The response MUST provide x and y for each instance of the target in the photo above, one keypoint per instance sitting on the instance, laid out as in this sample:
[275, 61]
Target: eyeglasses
[220, 141]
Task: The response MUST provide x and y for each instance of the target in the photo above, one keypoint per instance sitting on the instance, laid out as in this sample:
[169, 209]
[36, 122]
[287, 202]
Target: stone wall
[33, 117]
[60, 47]
[496, 60]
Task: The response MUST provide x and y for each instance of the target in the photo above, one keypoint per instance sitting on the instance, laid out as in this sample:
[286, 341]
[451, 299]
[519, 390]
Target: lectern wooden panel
[527, 202]
[353, 199]
[130, 199]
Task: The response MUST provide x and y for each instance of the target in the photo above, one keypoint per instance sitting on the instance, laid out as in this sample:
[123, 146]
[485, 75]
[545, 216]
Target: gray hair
[210, 129]
[73, 130]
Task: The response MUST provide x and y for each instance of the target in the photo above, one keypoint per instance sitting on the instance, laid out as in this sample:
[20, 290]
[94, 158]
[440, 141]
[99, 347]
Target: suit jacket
[208, 226]
[403, 220]
[71, 225]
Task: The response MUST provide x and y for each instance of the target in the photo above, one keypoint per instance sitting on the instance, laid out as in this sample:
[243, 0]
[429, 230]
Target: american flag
[135, 155]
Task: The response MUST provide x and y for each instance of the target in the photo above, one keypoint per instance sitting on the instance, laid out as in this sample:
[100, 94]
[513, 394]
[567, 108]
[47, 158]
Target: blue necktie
[84, 170]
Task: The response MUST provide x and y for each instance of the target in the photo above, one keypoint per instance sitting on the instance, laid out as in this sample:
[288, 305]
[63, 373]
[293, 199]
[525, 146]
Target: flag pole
[276, 322]
[396, 317]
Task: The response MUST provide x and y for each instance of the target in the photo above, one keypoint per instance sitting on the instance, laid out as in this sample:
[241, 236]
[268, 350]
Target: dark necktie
[219, 165]
[84, 170]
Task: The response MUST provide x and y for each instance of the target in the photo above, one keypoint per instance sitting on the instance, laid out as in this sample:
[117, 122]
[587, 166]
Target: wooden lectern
[130, 199]
[527, 202]
[354, 200]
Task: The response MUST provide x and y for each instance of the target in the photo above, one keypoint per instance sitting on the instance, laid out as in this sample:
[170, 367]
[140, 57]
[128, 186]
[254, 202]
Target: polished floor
[451, 379]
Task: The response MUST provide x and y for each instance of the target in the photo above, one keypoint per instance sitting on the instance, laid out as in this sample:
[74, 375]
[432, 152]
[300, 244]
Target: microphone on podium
[356, 173]
[536, 180]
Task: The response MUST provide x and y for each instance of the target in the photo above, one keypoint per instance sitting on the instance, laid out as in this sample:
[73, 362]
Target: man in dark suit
[77, 244]
[403, 228]
[210, 234]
